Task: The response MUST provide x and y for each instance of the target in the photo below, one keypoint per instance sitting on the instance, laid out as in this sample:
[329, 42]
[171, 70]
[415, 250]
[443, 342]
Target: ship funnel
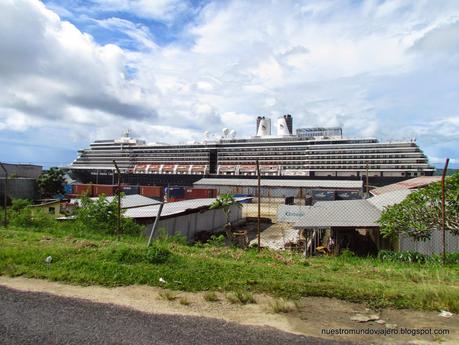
[284, 125]
[263, 126]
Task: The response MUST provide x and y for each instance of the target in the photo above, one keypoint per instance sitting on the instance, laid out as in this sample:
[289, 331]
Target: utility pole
[5, 196]
[118, 193]
[443, 176]
[259, 205]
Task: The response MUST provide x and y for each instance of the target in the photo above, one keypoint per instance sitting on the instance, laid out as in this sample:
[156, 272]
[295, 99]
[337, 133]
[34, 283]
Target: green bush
[158, 254]
[102, 216]
[31, 218]
[216, 241]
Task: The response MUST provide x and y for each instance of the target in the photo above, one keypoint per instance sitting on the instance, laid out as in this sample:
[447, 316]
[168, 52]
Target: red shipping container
[175, 199]
[81, 189]
[151, 191]
[106, 189]
[200, 193]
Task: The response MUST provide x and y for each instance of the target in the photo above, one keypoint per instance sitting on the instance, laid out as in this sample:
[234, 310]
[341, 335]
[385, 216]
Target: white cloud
[328, 63]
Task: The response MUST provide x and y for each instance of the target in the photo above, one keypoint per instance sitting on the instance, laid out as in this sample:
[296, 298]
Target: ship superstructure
[309, 153]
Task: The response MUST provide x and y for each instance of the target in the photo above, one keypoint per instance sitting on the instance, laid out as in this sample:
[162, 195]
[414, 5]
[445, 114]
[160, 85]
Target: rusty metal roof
[417, 182]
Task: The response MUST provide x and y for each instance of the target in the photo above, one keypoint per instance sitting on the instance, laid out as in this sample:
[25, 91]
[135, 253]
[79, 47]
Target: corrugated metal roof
[342, 213]
[417, 182]
[349, 213]
[389, 198]
[129, 201]
[171, 208]
[353, 184]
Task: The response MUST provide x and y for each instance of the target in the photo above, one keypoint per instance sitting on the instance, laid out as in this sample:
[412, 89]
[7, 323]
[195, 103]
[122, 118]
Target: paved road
[38, 318]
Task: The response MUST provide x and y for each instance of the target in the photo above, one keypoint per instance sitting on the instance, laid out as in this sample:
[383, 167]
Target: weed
[282, 305]
[158, 254]
[211, 296]
[168, 295]
[184, 301]
[241, 297]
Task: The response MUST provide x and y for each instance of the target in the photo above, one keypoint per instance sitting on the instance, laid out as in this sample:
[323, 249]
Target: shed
[184, 217]
[344, 217]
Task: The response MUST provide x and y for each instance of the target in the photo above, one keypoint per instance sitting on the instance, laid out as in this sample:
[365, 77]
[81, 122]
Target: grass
[168, 295]
[184, 301]
[96, 259]
[282, 305]
[241, 297]
[211, 296]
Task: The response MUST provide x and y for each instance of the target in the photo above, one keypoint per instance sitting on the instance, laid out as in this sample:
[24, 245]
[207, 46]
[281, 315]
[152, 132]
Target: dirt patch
[312, 314]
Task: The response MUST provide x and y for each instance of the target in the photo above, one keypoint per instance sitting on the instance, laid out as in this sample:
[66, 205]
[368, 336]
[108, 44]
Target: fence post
[118, 193]
[259, 205]
[443, 176]
[5, 196]
[153, 228]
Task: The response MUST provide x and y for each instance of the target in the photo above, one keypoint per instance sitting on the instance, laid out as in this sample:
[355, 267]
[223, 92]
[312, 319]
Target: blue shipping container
[130, 190]
[177, 192]
[68, 189]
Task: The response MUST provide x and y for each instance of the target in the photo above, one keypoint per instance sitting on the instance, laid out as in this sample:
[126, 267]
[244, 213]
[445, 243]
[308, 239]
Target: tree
[420, 213]
[52, 182]
[225, 202]
[101, 215]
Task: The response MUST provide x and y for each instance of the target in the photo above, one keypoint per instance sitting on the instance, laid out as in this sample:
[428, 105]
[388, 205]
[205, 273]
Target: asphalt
[39, 318]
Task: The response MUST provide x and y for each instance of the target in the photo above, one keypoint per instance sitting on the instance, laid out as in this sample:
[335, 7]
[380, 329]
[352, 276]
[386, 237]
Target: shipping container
[323, 195]
[83, 189]
[68, 189]
[105, 189]
[176, 192]
[348, 195]
[151, 191]
[200, 193]
[130, 190]
[175, 198]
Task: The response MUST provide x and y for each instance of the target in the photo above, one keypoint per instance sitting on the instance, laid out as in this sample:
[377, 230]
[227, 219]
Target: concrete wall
[19, 188]
[22, 170]
[188, 225]
[432, 246]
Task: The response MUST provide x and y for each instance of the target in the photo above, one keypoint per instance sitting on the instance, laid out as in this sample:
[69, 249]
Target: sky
[72, 71]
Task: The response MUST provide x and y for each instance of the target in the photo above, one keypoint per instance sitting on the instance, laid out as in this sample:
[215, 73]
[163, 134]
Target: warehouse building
[276, 190]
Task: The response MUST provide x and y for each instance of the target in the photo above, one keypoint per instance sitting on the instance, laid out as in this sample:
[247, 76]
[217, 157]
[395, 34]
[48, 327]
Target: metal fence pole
[152, 232]
[118, 192]
[5, 196]
[443, 176]
[259, 205]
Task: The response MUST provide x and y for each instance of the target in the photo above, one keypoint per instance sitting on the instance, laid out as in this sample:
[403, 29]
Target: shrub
[346, 254]
[32, 218]
[158, 254]
[216, 241]
[102, 216]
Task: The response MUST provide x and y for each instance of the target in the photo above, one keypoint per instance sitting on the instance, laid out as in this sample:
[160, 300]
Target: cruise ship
[309, 153]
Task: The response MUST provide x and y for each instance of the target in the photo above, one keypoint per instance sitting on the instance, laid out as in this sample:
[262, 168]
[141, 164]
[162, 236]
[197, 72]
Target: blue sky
[73, 71]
